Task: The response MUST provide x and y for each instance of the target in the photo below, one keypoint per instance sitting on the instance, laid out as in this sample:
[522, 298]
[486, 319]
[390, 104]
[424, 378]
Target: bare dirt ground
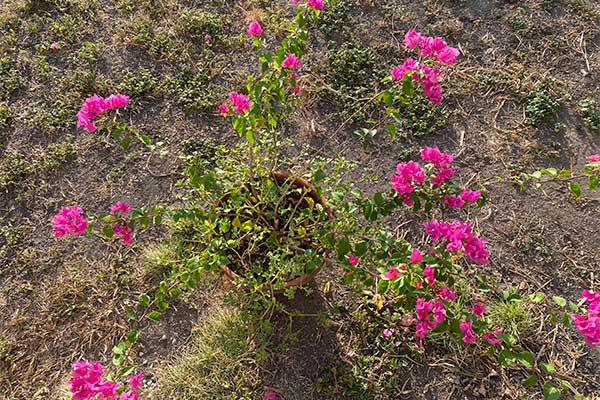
[65, 299]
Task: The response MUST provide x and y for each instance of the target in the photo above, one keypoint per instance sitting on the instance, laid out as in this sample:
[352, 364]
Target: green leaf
[537, 174]
[408, 88]
[120, 348]
[593, 183]
[107, 231]
[319, 176]
[133, 335]
[383, 285]
[532, 380]
[564, 172]
[526, 358]
[549, 171]
[145, 222]
[561, 301]
[547, 369]
[575, 189]
[550, 392]
[146, 139]
[125, 142]
[144, 300]
[537, 297]
[250, 136]
[506, 357]
[392, 130]
[154, 316]
[343, 247]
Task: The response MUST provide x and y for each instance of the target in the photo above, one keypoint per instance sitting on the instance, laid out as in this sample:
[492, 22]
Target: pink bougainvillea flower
[316, 4]
[412, 38]
[270, 395]
[593, 158]
[124, 231]
[108, 389]
[466, 327]
[54, 46]
[436, 157]
[291, 61]
[478, 309]
[69, 221]
[409, 65]
[459, 236]
[421, 329]
[433, 91]
[296, 89]
[438, 48]
[446, 293]
[407, 174]
[254, 29]
[135, 381]
[589, 326]
[129, 395]
[454, 202]
[388, 332]
[415, 257]
[492, 337]
[443, 174]
[429, 274]
[423, 307]
[96, 105]
[392, 273]
[240, 102]
[224, 109]
[439, 312]
[470, 195]
[418, 285]
[120, 207]
[352, 259]
[127, 42]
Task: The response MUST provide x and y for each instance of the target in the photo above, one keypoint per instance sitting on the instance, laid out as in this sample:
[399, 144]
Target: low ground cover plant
[251, 214]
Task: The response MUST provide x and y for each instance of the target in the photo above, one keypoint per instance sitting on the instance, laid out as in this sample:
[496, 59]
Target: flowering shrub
[121, 221]
[589, 326]
[96, 105]
[423, 71]
[87, 382]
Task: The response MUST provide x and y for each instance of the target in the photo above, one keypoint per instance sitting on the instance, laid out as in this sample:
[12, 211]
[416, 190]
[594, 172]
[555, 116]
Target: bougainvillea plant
[425, 72]
[88, 383]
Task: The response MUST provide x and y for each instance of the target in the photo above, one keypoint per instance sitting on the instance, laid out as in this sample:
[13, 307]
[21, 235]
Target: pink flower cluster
[240, 102]
[410, 173]
[69, 221]
[427, 76]
[430, 314]
[254, 29]
[439, 160]
[459, 237]
[431, 46]
[458, 201]
[87, 383]
[122, 229]
[593, 158]
[589, 326]
[291, 61]
[316, 4]
[96, 105]
[407, 175]
[469, 335]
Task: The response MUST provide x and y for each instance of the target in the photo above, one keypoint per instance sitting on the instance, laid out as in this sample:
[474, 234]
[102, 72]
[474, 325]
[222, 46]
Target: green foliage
[58, 154]
[591, 113]
[352, 76]
[141, 83]
[418, 117]
[218, 363]
[197, 24]
[513, 314]
[540, 106]
[192, 89]
[13, 169]
[9, 77]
